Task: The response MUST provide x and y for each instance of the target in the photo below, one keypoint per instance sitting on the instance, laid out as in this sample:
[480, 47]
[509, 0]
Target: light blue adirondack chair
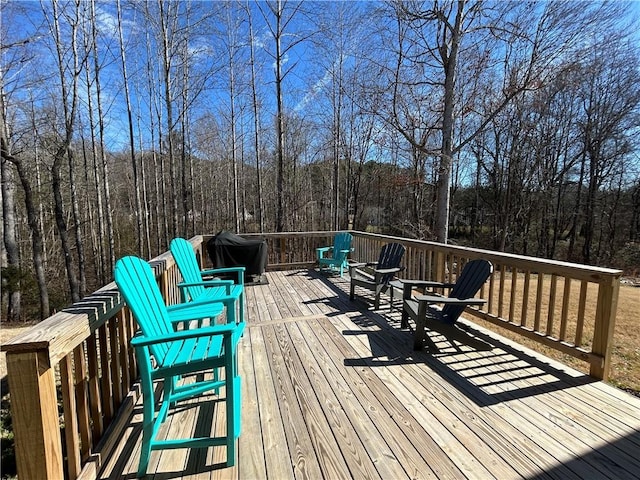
[179, 352]
[194, 287]
[337, 258]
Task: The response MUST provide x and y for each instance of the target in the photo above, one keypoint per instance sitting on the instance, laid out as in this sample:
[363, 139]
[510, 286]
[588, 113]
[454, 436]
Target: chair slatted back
[390, 257]
[341, 242]
[138, 286]
[187, 263]
[471, 279]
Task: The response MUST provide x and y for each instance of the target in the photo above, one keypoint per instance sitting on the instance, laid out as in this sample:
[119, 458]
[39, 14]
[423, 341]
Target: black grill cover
[229, 250]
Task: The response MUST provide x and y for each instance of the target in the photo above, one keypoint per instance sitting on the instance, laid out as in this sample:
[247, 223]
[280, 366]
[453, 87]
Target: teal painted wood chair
[377, 276]
[166, 354]
[419, 308]
[194, 286]
[334, 258]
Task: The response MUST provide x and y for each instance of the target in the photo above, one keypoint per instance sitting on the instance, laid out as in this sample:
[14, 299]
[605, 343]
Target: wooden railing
[565, 306]
[79, 361]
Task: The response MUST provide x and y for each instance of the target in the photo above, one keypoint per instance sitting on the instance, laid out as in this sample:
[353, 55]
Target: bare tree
[256, 120]
[69, 99]
[137, 181]
[610, 97]
[11, 274]
[278, 25]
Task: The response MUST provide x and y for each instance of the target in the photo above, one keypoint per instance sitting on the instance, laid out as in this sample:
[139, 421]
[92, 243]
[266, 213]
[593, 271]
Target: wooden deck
[333, 390]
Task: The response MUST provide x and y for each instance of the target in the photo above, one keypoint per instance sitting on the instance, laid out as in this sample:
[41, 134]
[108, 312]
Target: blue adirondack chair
[194, 287]
[461, 295]
[166, 354]
[377, 276]
[337, 258]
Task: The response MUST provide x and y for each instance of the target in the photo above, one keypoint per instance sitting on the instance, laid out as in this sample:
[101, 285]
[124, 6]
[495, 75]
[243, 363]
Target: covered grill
[229, 250]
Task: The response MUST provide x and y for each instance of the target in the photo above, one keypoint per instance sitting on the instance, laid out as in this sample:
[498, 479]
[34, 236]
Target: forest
[512, 126]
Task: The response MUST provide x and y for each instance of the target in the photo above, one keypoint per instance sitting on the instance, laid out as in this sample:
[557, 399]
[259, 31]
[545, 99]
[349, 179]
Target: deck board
[332, 389]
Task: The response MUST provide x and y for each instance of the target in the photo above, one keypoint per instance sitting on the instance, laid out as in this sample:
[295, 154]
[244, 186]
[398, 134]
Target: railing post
[440, 267]
[283, 250]
[608, 290]
[34, 411]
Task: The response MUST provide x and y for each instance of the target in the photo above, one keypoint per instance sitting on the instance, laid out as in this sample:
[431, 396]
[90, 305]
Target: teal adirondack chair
[166, 354]
[194, 287]
[339, 252]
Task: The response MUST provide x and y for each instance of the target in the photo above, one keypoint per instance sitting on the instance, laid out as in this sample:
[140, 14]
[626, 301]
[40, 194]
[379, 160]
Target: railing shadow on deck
[391, 346]
[470, 384]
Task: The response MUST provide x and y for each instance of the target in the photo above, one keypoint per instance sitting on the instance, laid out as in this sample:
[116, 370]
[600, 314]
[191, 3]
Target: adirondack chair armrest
[193, 311]
[233, 293]
[226, 329]
[321, 251]
[409, 285]
[429, 299]
[362, 264]
[232, 289]
[384, 271]
[207, 283]
[426, 283]
[214, 271]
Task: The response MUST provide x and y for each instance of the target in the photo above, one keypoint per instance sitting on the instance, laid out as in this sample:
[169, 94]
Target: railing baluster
[69, 405]
[539, 295]
[584, 285]
[566, 300]
[512, 296]
[123, 340]
[106, 385]
[82, 400]
[116, 379]
[502, 270]
[552, 305]
[97, 426]
[525, 298]
[491, 302]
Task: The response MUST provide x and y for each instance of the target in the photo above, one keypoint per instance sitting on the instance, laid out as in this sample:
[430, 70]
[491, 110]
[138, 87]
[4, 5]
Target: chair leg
[418, 339]
[148, 413]
[376, 299]
[232, 403]
[404, 320]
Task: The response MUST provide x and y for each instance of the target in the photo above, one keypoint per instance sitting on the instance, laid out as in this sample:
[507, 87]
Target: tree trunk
[69, 106]
[256, 127]
[134, 164]
[279, 124]
[12, 274]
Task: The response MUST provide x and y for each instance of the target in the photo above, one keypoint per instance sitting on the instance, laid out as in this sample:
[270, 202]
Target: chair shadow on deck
[486, 370]
[485, 376]
[197, 458]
